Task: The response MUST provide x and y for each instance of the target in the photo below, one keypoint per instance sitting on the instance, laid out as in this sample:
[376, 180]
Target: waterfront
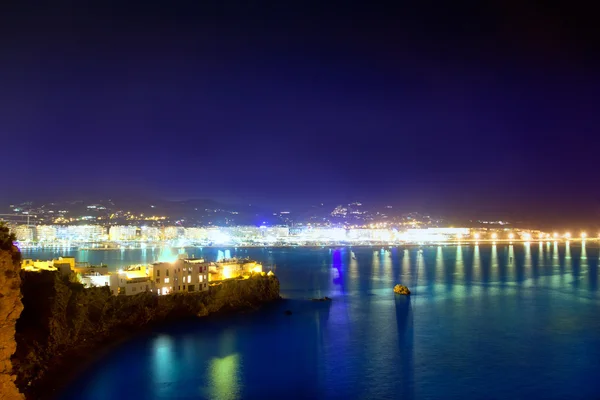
[484, 322]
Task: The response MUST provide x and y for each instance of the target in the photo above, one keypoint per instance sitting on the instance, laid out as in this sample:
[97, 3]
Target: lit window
[166, 280]
[201, 276]
[189, 279]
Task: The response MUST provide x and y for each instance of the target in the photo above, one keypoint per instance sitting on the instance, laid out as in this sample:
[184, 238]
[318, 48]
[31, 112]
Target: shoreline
[79, 326]
[69, 367]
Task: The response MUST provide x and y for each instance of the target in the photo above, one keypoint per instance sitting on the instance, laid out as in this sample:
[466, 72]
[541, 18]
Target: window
[201, 278]
[157, 280]
[158, 272]
[167, 272]
[183, 287]
[166, 280]
[189, 279]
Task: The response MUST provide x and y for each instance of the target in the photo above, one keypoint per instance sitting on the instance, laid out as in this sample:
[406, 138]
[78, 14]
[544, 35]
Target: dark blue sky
[455, 108]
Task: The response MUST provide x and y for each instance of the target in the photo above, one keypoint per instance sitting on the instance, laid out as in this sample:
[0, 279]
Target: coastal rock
[62, 321]
[10, 309]
[401, 289]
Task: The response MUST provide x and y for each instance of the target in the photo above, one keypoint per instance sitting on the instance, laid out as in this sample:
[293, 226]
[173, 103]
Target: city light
[168, 238]
[227, 273]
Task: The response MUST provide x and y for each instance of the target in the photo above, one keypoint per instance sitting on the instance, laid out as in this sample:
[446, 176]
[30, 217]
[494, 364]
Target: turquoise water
[484, 322]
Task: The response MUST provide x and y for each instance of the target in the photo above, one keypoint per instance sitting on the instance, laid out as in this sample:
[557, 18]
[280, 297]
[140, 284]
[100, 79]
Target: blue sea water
[515, 321]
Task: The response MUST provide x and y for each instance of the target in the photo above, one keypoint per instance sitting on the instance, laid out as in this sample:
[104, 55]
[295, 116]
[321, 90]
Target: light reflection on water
[224, 383]
[512, 320]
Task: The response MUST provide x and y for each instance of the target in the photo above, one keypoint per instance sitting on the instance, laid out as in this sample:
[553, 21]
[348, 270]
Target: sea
[506, 321]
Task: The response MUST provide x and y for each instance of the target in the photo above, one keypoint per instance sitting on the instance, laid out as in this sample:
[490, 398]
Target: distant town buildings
[309, 234]
[124, 232]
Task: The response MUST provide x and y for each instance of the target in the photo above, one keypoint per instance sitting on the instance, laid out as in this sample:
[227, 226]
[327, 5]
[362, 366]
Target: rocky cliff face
[61, 319]
[10, 310]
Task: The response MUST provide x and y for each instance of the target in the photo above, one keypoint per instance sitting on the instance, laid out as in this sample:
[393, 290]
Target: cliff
[62, 320]
[10, 309]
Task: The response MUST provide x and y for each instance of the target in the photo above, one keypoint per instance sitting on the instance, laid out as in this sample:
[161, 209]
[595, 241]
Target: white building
[172, 232]
[150, 233]
[88, 233]
[123, 232]
[24, 233]
[121, 284]
[196, 234]
[80, 233]
[276, 232]
[45, 233]
[96, 281]
[180, 276]
[435, 234]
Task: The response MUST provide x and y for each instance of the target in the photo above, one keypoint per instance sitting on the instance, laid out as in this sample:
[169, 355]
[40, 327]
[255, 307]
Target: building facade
[123, 232]
[188, 275]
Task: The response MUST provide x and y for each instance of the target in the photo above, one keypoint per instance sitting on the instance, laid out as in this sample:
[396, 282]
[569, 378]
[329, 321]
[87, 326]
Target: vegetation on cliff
[10, 309]
[62, 318]
[7, 240]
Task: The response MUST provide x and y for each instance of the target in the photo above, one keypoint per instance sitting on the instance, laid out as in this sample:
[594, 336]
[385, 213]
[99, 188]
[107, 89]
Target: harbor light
[583, 235]
[555, 235]
[527, 236]
[568, 235]
[494, 236]
[511, 236]
[477, 236]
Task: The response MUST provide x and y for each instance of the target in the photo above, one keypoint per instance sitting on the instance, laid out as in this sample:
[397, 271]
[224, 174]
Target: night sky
[436, 106]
